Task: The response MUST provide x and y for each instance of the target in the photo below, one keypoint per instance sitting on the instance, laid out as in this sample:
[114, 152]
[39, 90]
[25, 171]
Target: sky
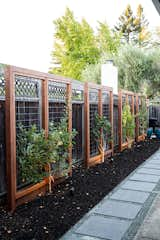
[26, 26]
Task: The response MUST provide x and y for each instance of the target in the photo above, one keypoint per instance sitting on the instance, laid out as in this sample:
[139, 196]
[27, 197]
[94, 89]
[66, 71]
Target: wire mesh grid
[123, 104]
[115, 120]
[57, 94]
[106, 113]
[139, 110]
[57, 111]
[28, 109]
[27, 114]
[77, 124]
[2, 83]
[93, 110]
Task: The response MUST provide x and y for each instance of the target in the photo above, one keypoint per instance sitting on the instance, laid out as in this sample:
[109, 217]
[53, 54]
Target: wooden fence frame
[17, 197]
[142, 136]
[135, 111]
[90, 161]
[122, 92]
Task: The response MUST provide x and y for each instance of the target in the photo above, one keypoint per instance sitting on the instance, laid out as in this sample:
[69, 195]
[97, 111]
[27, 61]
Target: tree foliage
[35, 152]
[74, 46]
[107, 39]
[139, 70]
[134, 28]
[128, 124]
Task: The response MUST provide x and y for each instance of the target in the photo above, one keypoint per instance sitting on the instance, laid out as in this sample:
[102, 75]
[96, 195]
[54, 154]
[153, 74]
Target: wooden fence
[98, 99]
[31, 97]
[135, 102]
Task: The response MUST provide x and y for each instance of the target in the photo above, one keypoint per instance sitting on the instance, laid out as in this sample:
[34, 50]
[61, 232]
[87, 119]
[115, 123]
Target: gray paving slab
[145, 177]
[139, 186]
[75, 236]
[149, 171]
[155, 161]
[118, 209]
[151, 166]
[106, 228]
[130, 196]
[151, 225]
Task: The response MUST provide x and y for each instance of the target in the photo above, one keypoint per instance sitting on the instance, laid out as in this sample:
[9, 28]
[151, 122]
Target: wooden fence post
[45, 111]
[69, 109]
[120, 119]
[86, 124]
[10, 126]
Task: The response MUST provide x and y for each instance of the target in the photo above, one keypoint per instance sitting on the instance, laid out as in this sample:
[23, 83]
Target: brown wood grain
[86, 125]
[10, 124]
[120, 119]
[45, 106]
[111, 120]
[69, 109]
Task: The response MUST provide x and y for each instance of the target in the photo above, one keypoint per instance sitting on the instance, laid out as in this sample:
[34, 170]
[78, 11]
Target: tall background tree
[79, 52]
[107, 39]
[139, 70]
[134, 28]
[74, 46]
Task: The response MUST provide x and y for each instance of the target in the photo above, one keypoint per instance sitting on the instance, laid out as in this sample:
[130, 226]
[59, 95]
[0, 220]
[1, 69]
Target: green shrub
[31, 154]
[35, 152]
[128, 124]
[102, 128]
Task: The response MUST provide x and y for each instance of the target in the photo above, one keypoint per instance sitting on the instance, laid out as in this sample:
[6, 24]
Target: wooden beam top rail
[41, 75]
[109, 89]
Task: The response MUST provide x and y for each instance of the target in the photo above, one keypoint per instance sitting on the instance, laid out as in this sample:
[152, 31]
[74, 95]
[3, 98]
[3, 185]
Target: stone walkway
[122, 214]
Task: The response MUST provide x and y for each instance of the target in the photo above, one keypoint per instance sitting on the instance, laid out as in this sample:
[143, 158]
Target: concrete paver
[145, 178]
[130, 196]
[140, 186]
[118, 209]
[149, 171]
[152, 166]
[106, 228]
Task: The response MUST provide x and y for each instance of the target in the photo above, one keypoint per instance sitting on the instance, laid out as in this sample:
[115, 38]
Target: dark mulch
[49, 217]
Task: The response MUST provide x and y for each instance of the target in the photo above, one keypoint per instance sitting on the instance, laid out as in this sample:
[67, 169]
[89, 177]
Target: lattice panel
[28, 114]
[93, 143]
[77, 124]
[27, 87]
[57, 91]
[77, 95]
[93, 96]
[57, 111]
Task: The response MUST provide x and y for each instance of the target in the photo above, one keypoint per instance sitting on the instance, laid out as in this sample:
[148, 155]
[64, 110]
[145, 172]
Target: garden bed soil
[50, 216]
